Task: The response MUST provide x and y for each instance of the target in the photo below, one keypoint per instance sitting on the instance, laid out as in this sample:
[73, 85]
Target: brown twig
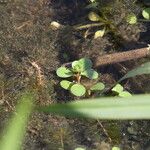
[104, 130]
[40, 78]
[121, 56]
[118, 57]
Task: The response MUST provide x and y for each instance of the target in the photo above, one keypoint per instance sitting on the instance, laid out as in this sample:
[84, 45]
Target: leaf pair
[78, 89]
[132, 18]
[81, 65]
[120, 91]
[84, 67]
[75, 88]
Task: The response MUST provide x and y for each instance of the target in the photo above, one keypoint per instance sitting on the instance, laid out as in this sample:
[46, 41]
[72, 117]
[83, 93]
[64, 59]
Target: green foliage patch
[79, 68]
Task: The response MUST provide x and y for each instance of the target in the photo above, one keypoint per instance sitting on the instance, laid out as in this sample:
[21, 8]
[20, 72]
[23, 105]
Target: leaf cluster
[79, 68]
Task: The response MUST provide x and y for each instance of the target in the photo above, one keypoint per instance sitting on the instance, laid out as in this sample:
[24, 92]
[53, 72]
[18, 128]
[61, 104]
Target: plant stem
[119, 57]
[78, 76]
[144, 20]
[88, 26]
[122, 56]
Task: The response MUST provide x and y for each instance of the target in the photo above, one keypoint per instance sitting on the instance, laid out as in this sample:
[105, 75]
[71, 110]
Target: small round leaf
[82, 65]
[118, 88]
[90, 73]
[65, 84]
[146, 13]
[78, 90]
[64, 72]
[97, 87]
[131, 19]
[115, 148]
[77, 67]
[93, 16]
[99, 33]
[79, 148]
[125, 94]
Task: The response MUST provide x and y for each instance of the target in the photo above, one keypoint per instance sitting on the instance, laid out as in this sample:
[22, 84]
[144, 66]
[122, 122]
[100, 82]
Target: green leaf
[93, 16]
[90, 73]
[79, 148]
[125, 94]
[118, 88]
[115, 148]
[97, 87]
[143, 69]
[99, 33]
[92, 5]
[86, 63]
[64, 72]
[82, 64]
[146, 13]
[65, 84]
[131, 19]
[92, 1]
[15, 131]
[116, 108]
[78, 90]
[77, 67]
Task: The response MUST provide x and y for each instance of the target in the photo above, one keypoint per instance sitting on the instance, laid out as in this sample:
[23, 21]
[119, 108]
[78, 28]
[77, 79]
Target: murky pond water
[25, 37]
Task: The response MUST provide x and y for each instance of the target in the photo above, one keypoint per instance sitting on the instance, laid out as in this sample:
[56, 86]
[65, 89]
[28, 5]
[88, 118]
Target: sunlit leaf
[135, 107]
[146, 13]
[82, 64]
[93, 16]
[90, 73]
[92, 1]
[124, 94]
[99, 33]
[65, 84]
[118, 88]
[79, 148]
[97, 87]
[115, 148]
[64, 72]
[131, 19]
[77, 66]
[143, 69]
[78, 90]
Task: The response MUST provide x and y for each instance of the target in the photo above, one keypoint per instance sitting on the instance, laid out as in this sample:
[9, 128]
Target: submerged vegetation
[79, 69]
[67, 68]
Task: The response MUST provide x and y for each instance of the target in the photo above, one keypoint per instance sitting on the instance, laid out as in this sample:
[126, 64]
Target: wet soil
[27, 40]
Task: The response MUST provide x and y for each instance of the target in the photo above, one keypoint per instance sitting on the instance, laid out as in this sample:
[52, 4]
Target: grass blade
[143, 69]
[14, 133]
[136, 107]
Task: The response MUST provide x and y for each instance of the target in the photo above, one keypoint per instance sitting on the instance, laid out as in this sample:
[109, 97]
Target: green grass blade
[136, 107]
[143, 69]
[14, 133]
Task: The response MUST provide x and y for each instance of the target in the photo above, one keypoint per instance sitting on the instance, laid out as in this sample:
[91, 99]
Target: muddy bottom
[28, 44]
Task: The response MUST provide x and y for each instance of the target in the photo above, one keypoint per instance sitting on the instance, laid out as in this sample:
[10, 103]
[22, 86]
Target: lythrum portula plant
[80, 68]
